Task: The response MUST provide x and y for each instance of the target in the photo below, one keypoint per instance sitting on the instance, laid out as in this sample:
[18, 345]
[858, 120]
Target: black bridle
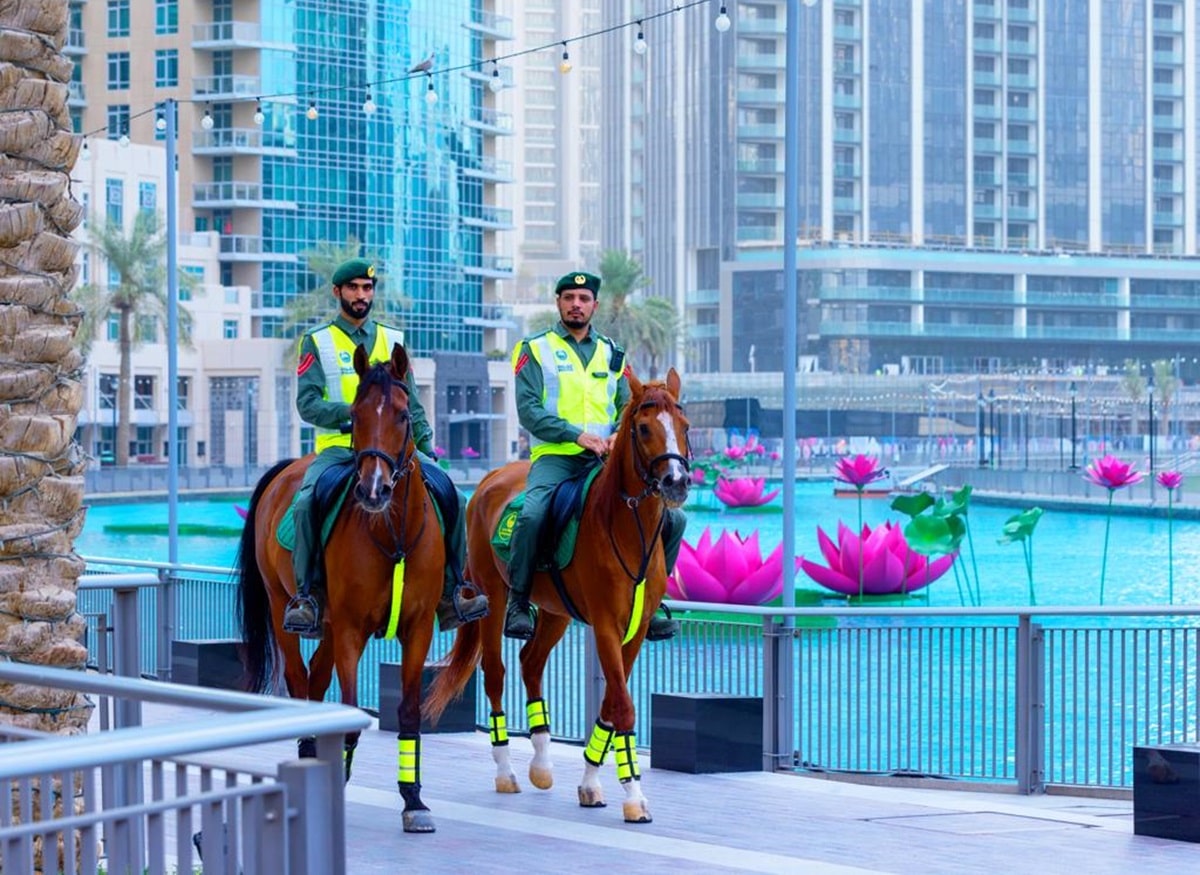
[400, 466]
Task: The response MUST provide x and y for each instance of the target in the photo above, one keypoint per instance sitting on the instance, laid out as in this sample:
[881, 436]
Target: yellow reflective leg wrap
[409, 759]
[625, 752]
[599, 744]
[538, 715]
[498, 728]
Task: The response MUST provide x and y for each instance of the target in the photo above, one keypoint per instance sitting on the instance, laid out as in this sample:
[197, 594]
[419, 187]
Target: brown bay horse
[614, 583]
[385, 545]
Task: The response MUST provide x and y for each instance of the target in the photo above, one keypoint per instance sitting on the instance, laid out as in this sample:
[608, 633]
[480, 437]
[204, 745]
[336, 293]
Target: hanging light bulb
[564, 66]
[160, 123]
[207, 121]
[85, 154]
[495, 83]
[123, 142]
[431, 96]
[259, 117]
[311, 114]
[722, 23]
[639, 44]
[369, 106]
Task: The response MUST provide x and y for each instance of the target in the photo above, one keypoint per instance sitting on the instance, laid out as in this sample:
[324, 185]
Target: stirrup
[458, 610]
[529, 612]
[668, 627]
[305, 629]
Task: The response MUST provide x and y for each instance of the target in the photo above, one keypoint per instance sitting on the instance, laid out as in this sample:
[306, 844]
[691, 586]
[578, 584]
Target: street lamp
[1150, 423]
[979, 429]
[1073, 390]
[992, 427]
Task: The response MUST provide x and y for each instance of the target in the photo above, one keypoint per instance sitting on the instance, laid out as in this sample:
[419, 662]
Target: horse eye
[643, 431]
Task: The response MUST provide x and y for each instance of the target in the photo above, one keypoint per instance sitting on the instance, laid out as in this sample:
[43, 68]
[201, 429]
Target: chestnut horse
[614, 583]
[384, 562]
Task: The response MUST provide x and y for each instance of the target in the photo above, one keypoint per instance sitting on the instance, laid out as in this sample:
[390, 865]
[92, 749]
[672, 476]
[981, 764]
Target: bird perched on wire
[423, 67]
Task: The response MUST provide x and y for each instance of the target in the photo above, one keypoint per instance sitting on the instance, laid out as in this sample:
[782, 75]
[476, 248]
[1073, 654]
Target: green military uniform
[330, 418]
[556, 455]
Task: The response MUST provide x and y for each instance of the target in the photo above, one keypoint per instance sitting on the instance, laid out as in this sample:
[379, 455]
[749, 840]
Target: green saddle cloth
[286, 530]
[502, 537]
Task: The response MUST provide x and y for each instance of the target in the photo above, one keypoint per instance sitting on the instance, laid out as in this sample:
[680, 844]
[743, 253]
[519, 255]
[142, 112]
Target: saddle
[333, 485]
[559, 528]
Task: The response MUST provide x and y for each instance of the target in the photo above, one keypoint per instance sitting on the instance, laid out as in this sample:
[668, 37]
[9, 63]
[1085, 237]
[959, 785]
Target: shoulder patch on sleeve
[306, 362]
[521, 362]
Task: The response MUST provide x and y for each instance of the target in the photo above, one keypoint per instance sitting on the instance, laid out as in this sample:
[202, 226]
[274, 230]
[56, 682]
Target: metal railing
[128, 800]
[1028, 697]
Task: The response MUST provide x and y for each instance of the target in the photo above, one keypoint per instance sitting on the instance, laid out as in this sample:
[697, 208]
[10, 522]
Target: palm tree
[314, 306]
[41, 467]
[137, 292]
[647, 326]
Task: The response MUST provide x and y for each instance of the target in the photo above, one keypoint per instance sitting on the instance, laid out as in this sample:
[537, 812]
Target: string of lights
[722, 23]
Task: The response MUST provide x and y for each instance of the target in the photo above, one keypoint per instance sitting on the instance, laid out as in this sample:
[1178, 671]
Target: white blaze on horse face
[673, 448]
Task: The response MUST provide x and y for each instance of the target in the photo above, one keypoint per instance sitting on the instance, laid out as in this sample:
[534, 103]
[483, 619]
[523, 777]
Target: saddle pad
[563, 520]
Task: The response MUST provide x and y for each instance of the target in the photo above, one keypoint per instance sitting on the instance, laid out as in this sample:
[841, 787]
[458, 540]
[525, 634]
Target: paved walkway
[727, 823]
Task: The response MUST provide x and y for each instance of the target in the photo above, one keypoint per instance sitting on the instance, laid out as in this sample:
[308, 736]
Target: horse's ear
[361, 362]
[635, 385]
[400, 360]
[673, 383]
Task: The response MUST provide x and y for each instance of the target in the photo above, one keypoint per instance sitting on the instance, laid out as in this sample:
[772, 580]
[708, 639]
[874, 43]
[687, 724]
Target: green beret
[578, 280]
[354, 269]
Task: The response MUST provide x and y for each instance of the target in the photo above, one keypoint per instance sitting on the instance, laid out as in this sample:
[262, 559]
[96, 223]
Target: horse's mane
[380, 374]
[607, 488]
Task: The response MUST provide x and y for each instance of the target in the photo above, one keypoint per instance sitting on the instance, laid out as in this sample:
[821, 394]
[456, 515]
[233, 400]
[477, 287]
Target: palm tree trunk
[124, 388]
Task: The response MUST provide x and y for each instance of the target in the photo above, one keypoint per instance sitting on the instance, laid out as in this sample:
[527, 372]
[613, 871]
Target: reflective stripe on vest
[584, 396]
[336, 352]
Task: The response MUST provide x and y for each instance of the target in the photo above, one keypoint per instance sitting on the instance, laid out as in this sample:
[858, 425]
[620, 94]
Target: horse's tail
[454, 674]
[253, 607]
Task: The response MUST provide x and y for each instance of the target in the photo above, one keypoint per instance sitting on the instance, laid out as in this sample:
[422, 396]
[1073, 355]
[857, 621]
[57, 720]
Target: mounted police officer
[570, 390]
[327, 385]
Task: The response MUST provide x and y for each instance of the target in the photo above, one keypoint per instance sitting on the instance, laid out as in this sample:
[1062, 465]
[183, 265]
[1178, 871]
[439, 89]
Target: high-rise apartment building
[301, 125]
[982, 185]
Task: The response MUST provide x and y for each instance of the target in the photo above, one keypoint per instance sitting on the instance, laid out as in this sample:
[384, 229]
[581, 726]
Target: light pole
[1073, 390]
[992, 428]
[1150, 421]
[979, 428]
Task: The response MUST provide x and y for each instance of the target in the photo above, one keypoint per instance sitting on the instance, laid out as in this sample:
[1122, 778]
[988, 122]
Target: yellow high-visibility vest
[584, 394]
[335, 350]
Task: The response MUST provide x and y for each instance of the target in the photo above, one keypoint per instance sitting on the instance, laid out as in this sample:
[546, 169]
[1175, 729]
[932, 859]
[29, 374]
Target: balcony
[767, 26]
[702, 297]
[498, 267]
[76, 43]
[1022, 113]
[217, 36]
[493, 315]
[766, 166]
[489, 24]
[749, 61]
[490, 169]
[243, 141]
[759, 201]
[1169, 218]
[761, 132]
[1168, 89]
[244, 247]
[212, 195]
[1168, 121]
[492, 121]
[228, 87]
[847, 101]
[760, 95]
[758, 234]
[1167, 186]
[491, 218]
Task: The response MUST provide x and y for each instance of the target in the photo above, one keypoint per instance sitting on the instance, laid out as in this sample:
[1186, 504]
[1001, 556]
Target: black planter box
[215, 662]
[459, 715]
[1166, 791]
[706, 732]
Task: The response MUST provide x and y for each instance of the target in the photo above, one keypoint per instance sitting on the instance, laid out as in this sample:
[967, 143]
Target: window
[230, 329]
[182, 389]
[114, 280]
[143, 393]
[118, 120]
[85, 267]
[166, 68]
[118, 17]
[107, 397]
[147, 329]
[143, 442]
[118, 71]
[166, 16]
[114, 201]
[112, 325]
[147, 197]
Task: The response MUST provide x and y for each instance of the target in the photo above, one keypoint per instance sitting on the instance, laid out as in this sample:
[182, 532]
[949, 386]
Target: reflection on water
[1066, 547]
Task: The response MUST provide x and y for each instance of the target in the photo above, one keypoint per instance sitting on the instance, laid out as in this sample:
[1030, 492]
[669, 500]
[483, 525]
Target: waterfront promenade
[722, 823]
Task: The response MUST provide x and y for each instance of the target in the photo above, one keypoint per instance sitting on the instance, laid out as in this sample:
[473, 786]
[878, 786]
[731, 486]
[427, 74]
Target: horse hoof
[541, 777]
[507, 784]
[636, 812]
[591, 797]
[419, 820]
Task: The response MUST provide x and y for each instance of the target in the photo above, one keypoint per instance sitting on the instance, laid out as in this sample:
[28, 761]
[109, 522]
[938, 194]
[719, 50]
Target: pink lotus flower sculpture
[735, 454]
[888, 565]
[743, 491]
[730, 571]
[470, 453]
[1170, 481]
[859, 471]
[1113, 474]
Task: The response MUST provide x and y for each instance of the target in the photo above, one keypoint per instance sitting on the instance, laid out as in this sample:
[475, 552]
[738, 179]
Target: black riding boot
[519, 618]
[662, 628]
[455, 608]
[303, 613]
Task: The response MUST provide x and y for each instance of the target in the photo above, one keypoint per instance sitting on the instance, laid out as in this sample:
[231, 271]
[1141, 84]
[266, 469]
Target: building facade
[301, 127]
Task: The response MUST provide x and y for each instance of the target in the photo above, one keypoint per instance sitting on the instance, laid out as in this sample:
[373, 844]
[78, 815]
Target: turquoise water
[1067, 546]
